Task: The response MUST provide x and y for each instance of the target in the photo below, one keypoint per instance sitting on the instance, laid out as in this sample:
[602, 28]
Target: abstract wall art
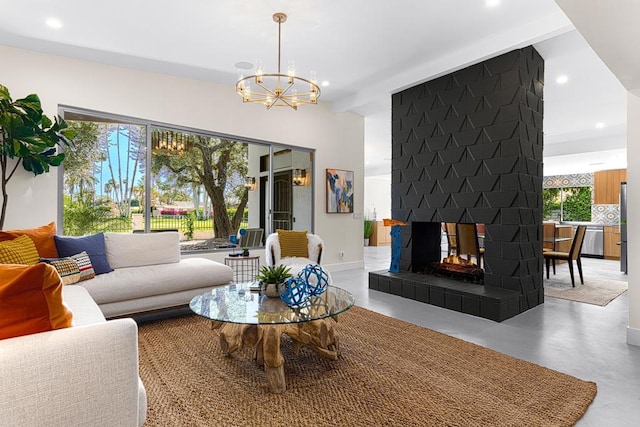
[339, 191]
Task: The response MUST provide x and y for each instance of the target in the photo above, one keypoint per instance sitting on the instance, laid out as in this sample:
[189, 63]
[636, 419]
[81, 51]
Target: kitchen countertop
[588, 224]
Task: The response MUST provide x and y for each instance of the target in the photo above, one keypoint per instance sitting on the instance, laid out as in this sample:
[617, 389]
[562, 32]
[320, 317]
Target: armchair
[274, 251]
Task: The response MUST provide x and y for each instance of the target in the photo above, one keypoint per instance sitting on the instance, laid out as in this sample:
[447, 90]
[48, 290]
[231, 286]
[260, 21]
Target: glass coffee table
[246, 317]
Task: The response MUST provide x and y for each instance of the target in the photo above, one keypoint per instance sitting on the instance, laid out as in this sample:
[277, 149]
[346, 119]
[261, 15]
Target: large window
[567, 204]
[131, 176]
[104, 177]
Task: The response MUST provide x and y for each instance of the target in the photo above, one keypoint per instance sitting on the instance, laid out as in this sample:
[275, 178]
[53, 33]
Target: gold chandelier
[277, 89]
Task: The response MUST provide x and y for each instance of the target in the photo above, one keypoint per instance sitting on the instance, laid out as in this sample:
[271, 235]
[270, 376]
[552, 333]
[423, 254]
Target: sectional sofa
[87, 374]
[149, 274]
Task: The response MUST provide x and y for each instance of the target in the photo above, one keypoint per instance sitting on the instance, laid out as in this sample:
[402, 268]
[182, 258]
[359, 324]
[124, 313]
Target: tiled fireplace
[467, 148]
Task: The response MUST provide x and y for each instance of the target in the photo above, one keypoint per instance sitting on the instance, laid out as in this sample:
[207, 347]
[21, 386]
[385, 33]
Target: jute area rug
[594, 291]
[391, 373]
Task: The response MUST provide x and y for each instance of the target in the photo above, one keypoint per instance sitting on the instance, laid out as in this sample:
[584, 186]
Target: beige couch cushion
[138, 282]
[133, 250]
[84, 308]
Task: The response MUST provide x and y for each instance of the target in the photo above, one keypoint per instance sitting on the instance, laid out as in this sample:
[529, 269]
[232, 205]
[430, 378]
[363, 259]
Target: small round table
[245, 268]
[249, 318]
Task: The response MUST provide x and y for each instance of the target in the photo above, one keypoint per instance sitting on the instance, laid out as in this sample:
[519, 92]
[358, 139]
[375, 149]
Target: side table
[245, 268]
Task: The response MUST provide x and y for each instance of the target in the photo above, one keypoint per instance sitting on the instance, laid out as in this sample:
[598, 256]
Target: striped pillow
[20, 250]
[84, 265]
[293, 243]
[67, 268]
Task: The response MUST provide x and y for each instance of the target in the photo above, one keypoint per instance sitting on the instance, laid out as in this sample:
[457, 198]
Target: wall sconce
[299, 176]
[250, 183]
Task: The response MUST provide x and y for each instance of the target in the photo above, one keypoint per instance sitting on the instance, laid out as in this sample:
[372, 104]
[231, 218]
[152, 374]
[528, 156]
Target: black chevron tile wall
[467, 147]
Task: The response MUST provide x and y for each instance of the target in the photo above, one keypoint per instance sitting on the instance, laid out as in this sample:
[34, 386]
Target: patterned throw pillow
[92, 244]
[84, 265]
[67, 269]
[293, 243]
[20, 250]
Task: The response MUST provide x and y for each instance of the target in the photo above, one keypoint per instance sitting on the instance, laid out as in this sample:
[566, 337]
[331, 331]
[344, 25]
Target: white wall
[338, 138]
[377, 183]
[377, 193]
[633, 214]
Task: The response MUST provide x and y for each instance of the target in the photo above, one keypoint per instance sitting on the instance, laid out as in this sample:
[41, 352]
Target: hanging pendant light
[277, 89]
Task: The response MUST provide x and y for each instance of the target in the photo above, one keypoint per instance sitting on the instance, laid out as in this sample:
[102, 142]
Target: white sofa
[149, 274]
[85, 375]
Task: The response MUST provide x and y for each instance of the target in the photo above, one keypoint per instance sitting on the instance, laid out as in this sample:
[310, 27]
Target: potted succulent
[270, 279]
[368, 230]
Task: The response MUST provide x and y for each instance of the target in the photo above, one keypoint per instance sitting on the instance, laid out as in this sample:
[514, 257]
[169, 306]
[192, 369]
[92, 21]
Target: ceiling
[365, 49]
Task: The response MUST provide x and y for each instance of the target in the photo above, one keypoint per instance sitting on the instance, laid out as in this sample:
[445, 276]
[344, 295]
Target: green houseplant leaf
[28, 135]
[368, 228]
[275, 274]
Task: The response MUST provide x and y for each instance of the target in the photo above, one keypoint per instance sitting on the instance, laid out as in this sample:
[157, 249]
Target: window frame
[68, 112]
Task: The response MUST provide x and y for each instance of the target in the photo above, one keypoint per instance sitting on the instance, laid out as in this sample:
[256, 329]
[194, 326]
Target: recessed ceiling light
[562, 79]
[324, 83]
[53, 23]
[243, 65]
[599, 125]
[492, 3]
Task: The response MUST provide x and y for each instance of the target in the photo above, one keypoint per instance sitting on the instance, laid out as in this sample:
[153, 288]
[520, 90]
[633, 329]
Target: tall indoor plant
[368, 230]
[30, 137]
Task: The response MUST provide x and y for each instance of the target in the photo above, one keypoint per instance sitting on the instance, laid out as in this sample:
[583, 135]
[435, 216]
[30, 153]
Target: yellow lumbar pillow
[20, 250]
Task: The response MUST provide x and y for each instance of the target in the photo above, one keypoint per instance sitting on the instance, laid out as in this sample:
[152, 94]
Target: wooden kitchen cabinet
[611, 240]
[606, 186]
[381, 235]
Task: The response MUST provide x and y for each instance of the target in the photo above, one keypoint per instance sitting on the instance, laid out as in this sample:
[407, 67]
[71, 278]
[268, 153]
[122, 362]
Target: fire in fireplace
[458, 268]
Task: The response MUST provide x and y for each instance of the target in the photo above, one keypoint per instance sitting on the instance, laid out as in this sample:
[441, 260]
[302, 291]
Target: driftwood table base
[318, 335]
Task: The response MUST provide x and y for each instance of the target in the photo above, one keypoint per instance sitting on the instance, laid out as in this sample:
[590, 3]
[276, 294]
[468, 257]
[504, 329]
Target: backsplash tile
[605, 214]
[574, 180]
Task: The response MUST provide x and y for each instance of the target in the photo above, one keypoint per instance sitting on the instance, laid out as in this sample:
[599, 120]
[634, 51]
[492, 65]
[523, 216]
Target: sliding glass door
[128, 175]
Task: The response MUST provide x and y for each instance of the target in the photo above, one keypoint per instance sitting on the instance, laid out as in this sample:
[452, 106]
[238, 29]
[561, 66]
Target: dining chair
[548, 236]
[450, 228]
[468, 243]
[572, 255]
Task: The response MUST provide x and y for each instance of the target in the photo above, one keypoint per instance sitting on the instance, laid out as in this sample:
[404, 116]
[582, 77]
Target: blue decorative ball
[243, 231]
[315, 277]
[294, 292]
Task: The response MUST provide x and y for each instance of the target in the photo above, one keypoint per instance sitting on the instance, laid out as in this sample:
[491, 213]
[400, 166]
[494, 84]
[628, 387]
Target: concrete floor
[583, 340]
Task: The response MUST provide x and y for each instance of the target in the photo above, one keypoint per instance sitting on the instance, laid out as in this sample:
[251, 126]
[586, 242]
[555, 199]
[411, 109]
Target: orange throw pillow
[41, 236]
[293, 243]
[31, 300]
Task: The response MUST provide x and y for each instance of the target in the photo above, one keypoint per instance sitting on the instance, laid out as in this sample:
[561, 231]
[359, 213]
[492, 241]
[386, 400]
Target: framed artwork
[339, 191]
